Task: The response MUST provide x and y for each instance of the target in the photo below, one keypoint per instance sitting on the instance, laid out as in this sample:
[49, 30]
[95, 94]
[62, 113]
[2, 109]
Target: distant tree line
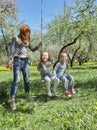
[74, 30]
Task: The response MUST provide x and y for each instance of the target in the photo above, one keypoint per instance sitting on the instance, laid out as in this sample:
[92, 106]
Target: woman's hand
[40, 44]
[10, 64]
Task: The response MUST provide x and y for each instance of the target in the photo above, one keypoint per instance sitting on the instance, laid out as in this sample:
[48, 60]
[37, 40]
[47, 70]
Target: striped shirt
[18, 48]
[60, 68]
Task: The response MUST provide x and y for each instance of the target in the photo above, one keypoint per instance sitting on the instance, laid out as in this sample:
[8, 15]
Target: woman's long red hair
[25, 34]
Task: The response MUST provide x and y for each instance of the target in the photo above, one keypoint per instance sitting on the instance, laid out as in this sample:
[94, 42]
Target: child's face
[63, 57]
[45, 57]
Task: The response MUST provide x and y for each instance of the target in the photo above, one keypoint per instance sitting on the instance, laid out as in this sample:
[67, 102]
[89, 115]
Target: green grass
[41, 113]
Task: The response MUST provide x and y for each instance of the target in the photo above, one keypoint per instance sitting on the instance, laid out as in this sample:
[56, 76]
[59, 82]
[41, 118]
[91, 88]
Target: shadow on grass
[88, 84]
[38, 90]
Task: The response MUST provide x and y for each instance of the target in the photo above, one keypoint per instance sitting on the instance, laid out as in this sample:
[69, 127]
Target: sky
[30, 11]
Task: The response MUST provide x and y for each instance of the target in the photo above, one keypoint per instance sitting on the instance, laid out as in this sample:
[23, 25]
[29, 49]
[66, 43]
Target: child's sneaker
[49, 94]
[55, 94]
[67, 94]
[72, 91]
[42, 81]
[13, 105]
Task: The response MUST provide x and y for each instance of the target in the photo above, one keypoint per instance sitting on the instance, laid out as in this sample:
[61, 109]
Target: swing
[39, 65]
[41, 37]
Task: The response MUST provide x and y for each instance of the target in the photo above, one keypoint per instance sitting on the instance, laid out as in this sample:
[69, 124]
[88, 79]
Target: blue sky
[30, 11]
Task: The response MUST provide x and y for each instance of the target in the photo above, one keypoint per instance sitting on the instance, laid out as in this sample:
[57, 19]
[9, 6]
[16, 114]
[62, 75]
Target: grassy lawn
[41, 113]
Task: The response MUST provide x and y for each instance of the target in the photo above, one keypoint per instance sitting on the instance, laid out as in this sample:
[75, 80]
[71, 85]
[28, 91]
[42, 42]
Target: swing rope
[41, 22]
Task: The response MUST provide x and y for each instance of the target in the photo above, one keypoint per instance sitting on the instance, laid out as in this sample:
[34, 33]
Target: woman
[19, 63]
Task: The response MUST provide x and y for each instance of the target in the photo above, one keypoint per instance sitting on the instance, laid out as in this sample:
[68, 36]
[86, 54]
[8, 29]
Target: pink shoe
[72, 91]
[67, 94]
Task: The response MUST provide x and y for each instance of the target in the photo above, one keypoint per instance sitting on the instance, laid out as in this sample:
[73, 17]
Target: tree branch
[69, 44]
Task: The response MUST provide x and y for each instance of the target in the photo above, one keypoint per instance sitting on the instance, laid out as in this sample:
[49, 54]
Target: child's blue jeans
[65, 77]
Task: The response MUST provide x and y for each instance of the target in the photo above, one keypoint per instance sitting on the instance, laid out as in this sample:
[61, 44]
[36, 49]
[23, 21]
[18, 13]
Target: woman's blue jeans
[20, 65]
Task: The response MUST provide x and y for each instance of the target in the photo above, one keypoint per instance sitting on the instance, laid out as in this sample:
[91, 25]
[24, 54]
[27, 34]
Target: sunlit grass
[41, 113]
